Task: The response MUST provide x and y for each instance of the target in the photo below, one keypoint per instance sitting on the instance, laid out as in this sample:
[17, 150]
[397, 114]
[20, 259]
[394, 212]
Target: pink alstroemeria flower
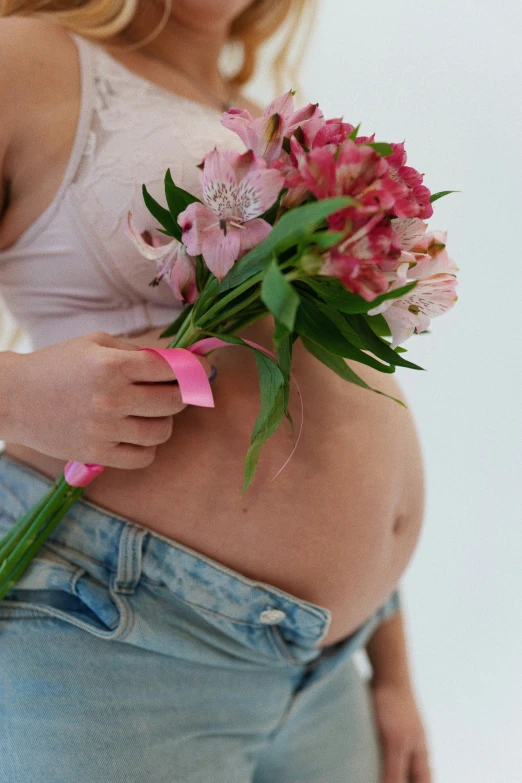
[359, 261]
[424, 252]
[351, 170]
[335, 131]
[432, 296]
[264, 135]
[172, 262]
[417, 202]
[236, 190]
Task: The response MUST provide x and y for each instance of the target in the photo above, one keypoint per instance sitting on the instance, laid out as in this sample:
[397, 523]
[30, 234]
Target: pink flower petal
[402, 324]
[318, 171]
[194, 222]
[240, 122]
[182, 279]
[253, 234]
[310, 119]
[256, 192]
[245, 163]
[270, 132]
[432, 296]
[147, 250]
[410, 231]
[219, 183]
[220, 249]
[283, 105]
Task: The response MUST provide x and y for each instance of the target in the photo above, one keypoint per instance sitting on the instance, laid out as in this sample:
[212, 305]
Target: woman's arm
[398, 720]
[388, 653]
[9, 384]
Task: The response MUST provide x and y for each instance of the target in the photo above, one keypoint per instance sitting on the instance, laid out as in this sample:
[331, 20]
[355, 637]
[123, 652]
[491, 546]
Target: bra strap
[87, 100]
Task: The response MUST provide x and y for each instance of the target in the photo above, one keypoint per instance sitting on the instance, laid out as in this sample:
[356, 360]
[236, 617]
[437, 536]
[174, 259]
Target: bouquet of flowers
[319, 226]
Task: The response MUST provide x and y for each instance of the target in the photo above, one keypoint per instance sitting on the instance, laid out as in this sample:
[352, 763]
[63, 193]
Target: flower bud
[311, 262]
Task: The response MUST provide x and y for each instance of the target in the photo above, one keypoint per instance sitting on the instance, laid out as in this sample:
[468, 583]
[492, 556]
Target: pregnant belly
[337, 527]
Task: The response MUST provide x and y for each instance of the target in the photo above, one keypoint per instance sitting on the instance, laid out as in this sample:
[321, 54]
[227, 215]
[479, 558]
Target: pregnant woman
[170, 630]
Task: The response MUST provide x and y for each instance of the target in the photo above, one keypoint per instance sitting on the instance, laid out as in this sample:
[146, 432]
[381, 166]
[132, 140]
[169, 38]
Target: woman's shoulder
[35, 57]
[29, 42]
[39, 83]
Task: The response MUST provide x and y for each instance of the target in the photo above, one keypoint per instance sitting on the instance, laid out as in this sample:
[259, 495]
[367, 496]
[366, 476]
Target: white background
[445, 77]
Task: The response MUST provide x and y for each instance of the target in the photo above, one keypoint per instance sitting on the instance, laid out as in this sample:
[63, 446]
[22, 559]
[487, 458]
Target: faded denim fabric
[126, 657]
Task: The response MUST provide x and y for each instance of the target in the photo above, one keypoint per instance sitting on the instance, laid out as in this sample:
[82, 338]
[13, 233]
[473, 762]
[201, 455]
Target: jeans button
[272, 616]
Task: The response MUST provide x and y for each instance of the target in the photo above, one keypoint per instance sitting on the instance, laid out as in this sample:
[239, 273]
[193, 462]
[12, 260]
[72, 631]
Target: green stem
[31, 532]
[17, 566]
[225, 316]
[9, 541]
[221, 303]
[242, 323]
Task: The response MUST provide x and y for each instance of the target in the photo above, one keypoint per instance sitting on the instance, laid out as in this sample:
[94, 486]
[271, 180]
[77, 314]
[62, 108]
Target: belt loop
[129, 559]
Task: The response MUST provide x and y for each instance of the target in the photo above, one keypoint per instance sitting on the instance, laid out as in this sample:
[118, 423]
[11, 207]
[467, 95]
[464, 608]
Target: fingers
[150, 367]
[145, 431]
[154, 399]
[129, 457]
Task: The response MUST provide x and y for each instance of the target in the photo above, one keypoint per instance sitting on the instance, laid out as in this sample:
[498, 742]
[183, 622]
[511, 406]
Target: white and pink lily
[264, 135]
[172, 261]
[236, 190]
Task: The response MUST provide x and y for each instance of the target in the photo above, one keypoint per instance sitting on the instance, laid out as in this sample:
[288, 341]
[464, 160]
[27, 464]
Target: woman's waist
[331, 543]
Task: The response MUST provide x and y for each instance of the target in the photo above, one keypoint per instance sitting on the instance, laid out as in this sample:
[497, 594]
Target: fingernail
[213, 373]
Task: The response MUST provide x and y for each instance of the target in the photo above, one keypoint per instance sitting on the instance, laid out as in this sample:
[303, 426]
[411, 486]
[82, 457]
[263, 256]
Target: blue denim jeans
[126, 657]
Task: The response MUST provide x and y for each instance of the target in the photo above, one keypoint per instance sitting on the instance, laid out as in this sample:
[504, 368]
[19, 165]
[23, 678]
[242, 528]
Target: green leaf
[207, 296]
[178, 323]
[353, 134]
[284, 360]
[378, 324]
[270, 413]
[294, 226]
[377, 346]
[271, 409]
[279, 296]
[177, 198]
[326, 239]
[339, 319]
[381, 147]
[312, 323]
[405, 289]
[202, 273]
[161, 214]
[339, 366]
[336, 294]
[442, 193]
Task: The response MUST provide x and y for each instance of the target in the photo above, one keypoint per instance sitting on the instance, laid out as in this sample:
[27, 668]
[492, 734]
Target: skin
[344, 538]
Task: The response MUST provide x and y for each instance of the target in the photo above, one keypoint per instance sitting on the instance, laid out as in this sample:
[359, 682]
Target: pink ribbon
[195, 390]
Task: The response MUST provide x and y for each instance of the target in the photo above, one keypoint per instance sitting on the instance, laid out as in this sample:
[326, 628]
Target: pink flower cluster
[383, 242]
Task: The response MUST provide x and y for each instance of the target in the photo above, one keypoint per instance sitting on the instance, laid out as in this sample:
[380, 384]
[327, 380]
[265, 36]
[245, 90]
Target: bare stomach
[337, 527]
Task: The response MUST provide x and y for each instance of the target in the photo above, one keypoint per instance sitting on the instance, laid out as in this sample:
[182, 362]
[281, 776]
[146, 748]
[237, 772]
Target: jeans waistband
[129, 551]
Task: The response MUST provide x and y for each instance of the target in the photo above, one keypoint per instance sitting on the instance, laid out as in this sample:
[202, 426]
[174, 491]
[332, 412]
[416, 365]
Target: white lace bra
[74, 271]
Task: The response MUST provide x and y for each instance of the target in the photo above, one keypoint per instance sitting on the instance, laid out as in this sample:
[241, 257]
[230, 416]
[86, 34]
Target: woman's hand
[94, 398]
[401, 733]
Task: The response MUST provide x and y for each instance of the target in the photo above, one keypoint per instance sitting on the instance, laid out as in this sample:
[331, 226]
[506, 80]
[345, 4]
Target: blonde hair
[104, 19]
